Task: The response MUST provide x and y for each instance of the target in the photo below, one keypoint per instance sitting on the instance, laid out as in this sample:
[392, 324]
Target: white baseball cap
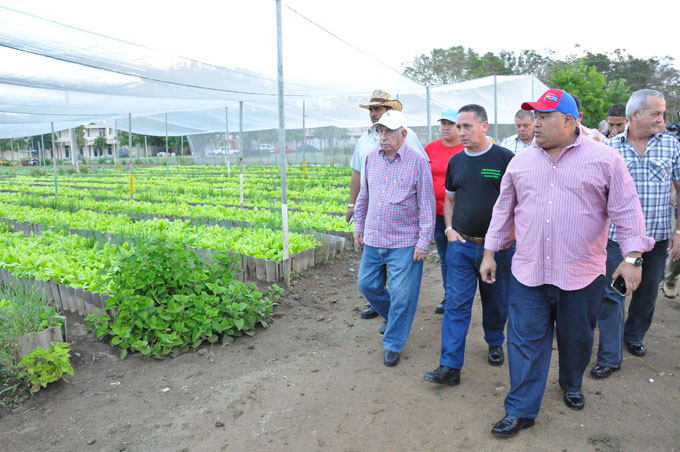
[392, 119]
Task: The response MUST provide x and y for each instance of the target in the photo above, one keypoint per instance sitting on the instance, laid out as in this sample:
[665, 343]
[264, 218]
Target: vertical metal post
[54, 163]
[495, 108]
[146, 148]
[304, 140]
[167, 148]
[282, 145]
[227, 146]
[74, 149]
[429, 125]
[44, 152]
[181, 149]
[130, 152]
[115, 141]
[240, 155]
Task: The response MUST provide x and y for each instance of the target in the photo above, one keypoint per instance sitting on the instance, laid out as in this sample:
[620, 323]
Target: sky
[240, 33]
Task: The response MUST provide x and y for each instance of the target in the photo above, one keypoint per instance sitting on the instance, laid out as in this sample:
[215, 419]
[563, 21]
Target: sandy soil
[315, 381]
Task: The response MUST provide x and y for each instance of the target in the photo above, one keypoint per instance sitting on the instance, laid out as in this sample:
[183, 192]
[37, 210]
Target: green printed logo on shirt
[491, 173]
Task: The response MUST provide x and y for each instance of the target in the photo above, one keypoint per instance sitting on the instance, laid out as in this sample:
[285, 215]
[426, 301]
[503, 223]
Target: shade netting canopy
[53, 72]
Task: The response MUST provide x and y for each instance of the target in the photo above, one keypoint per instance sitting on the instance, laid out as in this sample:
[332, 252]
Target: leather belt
[479, 240]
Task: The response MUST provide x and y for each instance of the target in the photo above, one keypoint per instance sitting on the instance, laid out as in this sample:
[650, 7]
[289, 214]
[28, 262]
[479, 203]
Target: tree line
[598, 79]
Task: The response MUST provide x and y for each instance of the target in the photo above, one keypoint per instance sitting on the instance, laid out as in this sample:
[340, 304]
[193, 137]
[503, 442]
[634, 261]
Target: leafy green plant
[167, 300]
[42, 367]
[22, 311]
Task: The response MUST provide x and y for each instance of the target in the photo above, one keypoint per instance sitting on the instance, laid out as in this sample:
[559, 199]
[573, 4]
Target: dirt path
[315, 381]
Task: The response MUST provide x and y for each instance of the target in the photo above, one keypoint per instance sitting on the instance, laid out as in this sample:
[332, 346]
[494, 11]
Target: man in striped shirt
[560, 195]
[524, 124]
[653, 160]
[394, 222]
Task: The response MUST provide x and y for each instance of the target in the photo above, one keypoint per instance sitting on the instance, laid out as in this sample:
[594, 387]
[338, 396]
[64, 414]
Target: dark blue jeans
[463, 261]
[398, 304]
[641, 309]
[533, 314]
[442, 243]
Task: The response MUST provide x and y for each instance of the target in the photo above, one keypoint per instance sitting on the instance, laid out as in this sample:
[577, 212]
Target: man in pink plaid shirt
[394, 221]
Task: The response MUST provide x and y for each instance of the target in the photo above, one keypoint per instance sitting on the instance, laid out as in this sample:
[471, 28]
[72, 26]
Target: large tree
[592, 89]
[456, 64]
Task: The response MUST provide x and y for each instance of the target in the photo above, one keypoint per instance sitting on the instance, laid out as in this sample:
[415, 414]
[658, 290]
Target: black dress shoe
[391, 358]
[636, 349]
[444, 376]
[574, 399]
[440, 307]
[496, 356]
[603, 370]
[369, 313]
[511, 425]
[383, 327]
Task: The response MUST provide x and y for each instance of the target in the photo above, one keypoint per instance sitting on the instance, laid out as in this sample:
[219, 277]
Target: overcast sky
[240, 33]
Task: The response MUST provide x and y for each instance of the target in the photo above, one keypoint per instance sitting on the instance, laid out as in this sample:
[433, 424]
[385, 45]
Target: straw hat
[381, 98]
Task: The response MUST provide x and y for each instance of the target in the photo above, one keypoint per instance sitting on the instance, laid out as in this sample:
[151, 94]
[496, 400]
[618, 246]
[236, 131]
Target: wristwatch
[637, 261]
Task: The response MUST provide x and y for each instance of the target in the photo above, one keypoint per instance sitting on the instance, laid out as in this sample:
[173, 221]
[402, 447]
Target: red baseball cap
[554, 100]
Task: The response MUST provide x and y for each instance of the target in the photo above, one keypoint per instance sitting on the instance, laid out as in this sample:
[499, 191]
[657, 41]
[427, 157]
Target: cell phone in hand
[619, 286]
[351, 219]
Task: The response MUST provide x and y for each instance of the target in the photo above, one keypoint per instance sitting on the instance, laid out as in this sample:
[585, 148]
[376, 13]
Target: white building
[91, 132]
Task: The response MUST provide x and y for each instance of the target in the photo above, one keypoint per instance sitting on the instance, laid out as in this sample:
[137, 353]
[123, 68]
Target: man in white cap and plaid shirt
[380, 102]
[394, 223]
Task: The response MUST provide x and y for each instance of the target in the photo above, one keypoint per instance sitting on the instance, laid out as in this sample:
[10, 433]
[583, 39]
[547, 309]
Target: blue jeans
[613, 331]
[442, 243]
[463, 261]
[398, 304]
[533, 314]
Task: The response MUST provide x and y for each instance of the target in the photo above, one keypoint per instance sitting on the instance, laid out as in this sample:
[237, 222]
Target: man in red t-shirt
[440, 152]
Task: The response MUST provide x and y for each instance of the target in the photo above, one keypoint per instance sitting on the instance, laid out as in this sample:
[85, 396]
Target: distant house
[91, 132]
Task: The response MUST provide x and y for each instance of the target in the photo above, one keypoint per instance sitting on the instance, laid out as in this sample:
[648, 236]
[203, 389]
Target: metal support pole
[282, 145]
[429, 125]
[227, 146]
[130, 152]
[44, 152]
[74, 149]
[146, 148]
[167, 148]
[54, 163]
[495, 108]
[304, 140]
[115, 141]
[240, 155]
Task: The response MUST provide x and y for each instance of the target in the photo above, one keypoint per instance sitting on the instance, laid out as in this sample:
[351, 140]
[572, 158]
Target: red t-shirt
[440, 154]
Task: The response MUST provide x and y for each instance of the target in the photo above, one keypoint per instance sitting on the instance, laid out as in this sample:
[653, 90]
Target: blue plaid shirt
[653, 174]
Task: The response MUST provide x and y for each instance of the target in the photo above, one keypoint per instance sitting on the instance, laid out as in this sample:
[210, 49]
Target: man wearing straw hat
[380, 102]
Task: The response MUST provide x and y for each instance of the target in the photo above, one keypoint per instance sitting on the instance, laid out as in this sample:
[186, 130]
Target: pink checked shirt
[561, 213]
[396, 205]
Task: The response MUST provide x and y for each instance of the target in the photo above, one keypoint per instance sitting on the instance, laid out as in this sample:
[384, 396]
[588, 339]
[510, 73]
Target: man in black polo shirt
[473, 181]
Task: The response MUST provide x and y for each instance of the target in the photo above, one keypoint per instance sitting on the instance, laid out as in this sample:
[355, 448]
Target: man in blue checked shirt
[653, 160]
[394, 222]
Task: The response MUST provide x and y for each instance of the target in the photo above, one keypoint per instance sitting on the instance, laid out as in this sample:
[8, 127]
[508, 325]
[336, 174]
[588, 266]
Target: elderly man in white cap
[379, 103]
[394, 223]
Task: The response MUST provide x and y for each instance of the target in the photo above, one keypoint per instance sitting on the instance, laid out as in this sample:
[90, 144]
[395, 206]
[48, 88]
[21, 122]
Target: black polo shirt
[476, 181]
